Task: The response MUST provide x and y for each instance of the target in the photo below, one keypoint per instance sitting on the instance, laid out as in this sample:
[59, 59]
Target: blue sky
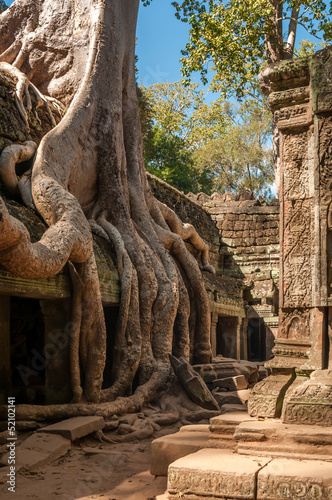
[160, 39]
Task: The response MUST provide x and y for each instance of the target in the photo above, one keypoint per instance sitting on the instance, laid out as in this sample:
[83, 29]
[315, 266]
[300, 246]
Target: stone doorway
[227, 331]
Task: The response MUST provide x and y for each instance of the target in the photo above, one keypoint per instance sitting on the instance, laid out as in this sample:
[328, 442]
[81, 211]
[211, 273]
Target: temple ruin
[270, 304]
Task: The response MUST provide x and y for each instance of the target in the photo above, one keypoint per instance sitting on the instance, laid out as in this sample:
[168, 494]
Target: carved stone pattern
[292, 115]
[262, 406]
[297, 249]
[206, 482]
[325, 158]
[291, 321]
[295, 159]
[303, 413]
[283, 351]
[288, 488]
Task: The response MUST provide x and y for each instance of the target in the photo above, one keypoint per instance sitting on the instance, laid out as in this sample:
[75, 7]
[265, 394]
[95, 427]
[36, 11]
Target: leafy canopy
[234, 38]
[204, 147]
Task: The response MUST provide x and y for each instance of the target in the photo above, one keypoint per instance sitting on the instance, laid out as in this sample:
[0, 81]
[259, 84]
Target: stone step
[275, 439]
[295, 479]
[167, 449]
[76, 427]
[222, 429]
[231, 397]
[213, 473]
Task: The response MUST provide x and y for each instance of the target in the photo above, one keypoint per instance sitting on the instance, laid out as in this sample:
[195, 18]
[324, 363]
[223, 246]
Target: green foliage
[199, 147]
[169, 158]
[229, 37]
[170, 130]
[241, 158]
[3, 6]
[307, 48]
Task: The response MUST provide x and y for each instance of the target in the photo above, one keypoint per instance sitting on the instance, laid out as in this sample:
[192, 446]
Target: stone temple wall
[249, 246]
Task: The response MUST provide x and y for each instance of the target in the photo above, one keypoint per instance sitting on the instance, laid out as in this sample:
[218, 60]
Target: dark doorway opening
[226, 336]
[256, 339]
[27, 350]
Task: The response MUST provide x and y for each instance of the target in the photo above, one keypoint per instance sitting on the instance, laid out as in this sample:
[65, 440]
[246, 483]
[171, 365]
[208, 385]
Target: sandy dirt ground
[108, 471]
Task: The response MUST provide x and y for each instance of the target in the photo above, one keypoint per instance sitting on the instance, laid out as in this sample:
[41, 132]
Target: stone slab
[295, 479]
[38, 450]
[211, 473]
[222, 429]
[167, 449]
[233, 408]
[231, 397]
[232, 383]
[76, 427]
[275, 439]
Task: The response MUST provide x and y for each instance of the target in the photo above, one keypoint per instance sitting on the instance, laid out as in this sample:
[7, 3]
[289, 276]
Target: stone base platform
[214, 474]
[310, 402]
[255, 459]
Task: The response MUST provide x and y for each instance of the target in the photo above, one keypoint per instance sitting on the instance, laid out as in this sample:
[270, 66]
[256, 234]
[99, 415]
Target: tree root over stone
[89, 172]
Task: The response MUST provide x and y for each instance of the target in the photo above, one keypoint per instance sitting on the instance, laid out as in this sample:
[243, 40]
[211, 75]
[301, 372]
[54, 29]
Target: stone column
[238, 338]
[300, 97]
[56, 351]
[244, 339]
[213, 330]
[5, 365]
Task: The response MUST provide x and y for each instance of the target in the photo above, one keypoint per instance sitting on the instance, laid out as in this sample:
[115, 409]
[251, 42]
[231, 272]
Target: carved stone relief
[297, 254]
[295, 324]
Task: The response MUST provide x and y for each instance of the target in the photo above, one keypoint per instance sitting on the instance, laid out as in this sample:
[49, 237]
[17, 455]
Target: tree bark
[274, 37]
[89, 174]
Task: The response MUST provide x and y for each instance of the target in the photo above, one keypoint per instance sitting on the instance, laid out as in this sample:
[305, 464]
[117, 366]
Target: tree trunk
[89, 173]
[274, 37]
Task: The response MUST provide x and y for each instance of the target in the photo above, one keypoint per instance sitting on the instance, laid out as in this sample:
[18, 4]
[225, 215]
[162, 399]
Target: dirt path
[94, 471]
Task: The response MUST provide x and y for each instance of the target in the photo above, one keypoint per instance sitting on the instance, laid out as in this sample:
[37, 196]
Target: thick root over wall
[88, 175]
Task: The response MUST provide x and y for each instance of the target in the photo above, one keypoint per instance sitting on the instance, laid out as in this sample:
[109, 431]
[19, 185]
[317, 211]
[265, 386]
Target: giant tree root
[90, 168]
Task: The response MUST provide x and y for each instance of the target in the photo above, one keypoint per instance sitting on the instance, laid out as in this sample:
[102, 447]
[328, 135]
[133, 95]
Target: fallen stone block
[214, 473]
[230, 408]
[75, 428]
[167, 449]
[232, 383]
[38, 450]
[193, 383]
[231, 397]
[290, 479]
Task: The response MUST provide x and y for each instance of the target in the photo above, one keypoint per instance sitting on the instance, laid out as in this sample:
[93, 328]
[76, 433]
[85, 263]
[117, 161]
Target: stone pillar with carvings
[300, 96]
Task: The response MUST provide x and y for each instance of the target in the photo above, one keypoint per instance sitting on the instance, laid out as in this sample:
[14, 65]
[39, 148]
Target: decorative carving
[288, 488]
[295, 324]
[297, 254]
[325, 158]
[267, 396]
[310, 402]
[293, 116]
